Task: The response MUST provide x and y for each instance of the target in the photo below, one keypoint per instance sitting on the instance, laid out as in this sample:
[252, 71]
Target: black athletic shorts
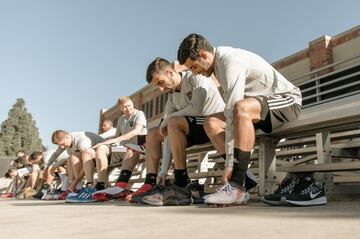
[197, 134]
[275, 111]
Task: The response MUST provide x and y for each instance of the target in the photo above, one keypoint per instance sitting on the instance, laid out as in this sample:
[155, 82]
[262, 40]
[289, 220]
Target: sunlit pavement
[55, 219]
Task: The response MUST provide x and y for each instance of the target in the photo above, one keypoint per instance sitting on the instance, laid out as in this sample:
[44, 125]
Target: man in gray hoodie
[256, 96]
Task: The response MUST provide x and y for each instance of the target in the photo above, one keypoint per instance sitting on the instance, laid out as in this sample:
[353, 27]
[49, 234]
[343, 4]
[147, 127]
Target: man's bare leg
[87, 159]
[102, 153]
[178, 128]
[77, 170]
[214, 126]
[246, 113]
[153, 150]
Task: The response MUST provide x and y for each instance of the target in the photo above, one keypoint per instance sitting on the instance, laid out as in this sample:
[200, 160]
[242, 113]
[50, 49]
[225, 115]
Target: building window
[157, 105]
[148, 108]
[163, 100]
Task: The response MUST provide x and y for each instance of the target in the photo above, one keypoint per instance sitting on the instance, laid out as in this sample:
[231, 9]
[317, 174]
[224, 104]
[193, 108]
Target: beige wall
[296, 70]
[345, 51]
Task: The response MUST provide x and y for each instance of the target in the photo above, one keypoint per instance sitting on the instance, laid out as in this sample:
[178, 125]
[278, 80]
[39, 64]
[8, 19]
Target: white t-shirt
[125, 125]
[108, 134]
[84, 140]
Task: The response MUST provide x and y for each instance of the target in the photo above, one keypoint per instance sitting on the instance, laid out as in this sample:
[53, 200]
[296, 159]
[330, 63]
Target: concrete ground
[55, 219]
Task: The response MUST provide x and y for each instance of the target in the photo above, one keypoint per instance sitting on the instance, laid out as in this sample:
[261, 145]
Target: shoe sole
[272, 203]
[174, 202]
[153, 203]
[214, 205]
[315, 202]
[77, 201]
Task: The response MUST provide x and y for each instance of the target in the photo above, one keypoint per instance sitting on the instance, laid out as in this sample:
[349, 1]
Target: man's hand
[161, 179]
[72, 186]
[227, 174]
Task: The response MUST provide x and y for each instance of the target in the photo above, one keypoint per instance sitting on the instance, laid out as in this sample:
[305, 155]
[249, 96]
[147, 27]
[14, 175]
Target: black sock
[125, 176]
[239, 168]
[100, 186]
[150, 178]
[89, 185]
[181, 178]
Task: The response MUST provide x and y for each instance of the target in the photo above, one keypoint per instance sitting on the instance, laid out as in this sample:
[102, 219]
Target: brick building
[323, 55]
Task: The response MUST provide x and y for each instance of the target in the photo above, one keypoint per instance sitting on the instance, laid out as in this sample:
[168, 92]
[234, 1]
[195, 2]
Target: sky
[70, 58]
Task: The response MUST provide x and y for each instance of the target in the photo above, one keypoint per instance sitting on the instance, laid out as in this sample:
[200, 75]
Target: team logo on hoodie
[189, 95]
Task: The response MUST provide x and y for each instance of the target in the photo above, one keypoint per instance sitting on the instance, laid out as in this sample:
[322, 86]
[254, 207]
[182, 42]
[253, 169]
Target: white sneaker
[228, 195]
[112, 191]
[136, 148]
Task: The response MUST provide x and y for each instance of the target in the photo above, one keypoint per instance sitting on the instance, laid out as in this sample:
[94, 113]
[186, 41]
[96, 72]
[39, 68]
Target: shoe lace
[227, 189]
[286, 186]
[311, 188]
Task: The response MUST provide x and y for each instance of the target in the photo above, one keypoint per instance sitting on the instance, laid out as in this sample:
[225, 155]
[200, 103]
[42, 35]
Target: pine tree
[19, 131]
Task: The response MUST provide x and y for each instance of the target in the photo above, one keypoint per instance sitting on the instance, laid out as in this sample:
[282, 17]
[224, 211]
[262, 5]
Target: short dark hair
[190, 47]
[34, 155]
[7, 175]
[156, 66]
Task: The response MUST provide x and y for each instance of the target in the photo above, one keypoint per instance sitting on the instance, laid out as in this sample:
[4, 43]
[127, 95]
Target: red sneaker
[63, 195]
[122, 185]
[146, 187]
[7, 195]
[119, 191]
[100, 197]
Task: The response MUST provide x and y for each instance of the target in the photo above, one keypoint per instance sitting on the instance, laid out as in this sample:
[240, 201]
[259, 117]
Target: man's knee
[210, 124]
[152, 134]
[102, 150]
[243, 109]
[88, 154]
[75, 156]
[177, 122]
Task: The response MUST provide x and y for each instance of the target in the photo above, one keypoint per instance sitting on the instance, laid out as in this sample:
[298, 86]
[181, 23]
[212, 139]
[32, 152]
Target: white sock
[62, 176]
[65, 184]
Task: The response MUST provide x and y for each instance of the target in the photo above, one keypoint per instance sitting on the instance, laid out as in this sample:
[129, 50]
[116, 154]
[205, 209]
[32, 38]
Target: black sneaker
[138, 199]
[306, 193]
[41, 193]
[172, 195]
[286, 187]
[197, 191]
[38, 195]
